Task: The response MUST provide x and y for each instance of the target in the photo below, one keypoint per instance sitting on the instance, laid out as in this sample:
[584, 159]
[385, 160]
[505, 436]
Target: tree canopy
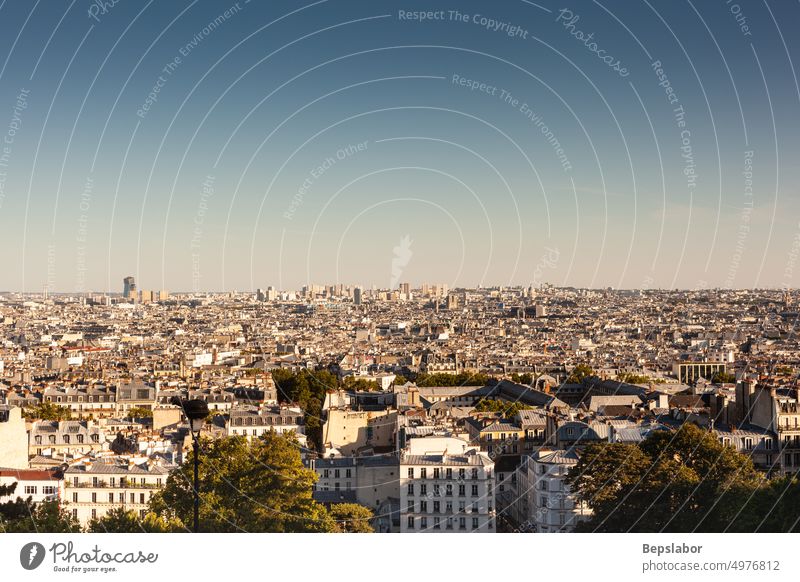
[680, 481]
[256, 486]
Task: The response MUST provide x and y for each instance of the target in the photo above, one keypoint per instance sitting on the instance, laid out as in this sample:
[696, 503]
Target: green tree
[678, 481]
[351, 518]
[44, 517]
[579, 373]
[507, 409]
[138, 412]
[46, 411]
[120, 520]
[256, 486]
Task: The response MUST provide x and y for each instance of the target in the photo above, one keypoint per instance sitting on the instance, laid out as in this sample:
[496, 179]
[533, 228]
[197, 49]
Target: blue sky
[222, 145]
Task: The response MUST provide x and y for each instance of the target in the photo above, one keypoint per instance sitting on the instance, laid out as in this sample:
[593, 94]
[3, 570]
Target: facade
[689, 372]
[40, 485]
[547, 504]
[370, 481]
[92, 490]
[94, 400]
[446, 486]
[252, 422]
[13, 438]
[69, 437]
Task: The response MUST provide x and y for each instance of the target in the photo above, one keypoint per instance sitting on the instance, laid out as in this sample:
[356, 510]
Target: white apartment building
[546, 504]
[39, 485]
[446, 485]
[93, 489]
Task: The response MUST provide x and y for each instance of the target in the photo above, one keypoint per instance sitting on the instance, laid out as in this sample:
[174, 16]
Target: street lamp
[196, 412]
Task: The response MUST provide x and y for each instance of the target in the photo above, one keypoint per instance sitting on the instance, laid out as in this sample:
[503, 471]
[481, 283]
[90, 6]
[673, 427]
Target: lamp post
[196, 412]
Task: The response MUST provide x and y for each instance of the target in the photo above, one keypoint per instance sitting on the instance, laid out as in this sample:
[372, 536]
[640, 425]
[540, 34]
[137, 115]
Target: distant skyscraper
[129, 287]
[357, 299]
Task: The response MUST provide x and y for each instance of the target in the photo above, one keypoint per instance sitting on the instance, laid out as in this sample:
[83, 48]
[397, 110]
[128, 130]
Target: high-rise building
[129, 287]
[357, 296]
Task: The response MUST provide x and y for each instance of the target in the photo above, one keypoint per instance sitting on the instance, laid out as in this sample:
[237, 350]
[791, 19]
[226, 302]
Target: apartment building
[253, 422]
[546, 503]
[40, 485]
[446, 485]
[92, 489]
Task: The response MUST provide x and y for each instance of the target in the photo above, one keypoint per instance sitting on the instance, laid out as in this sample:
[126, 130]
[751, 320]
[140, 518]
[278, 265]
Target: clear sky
[222, 145]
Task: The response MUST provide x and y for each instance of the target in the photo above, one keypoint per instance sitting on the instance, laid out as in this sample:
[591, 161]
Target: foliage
[46, 411]
[360, 384]
[399, 380]
[462, 379]
[44, 517]
[121, 520]
[138, 412]
[678, 481]
[723, 378]
[256, 486]
[630, 378]
[307, 389]
[351, 518]
[526, 379]
[508, 409]
[579, 373]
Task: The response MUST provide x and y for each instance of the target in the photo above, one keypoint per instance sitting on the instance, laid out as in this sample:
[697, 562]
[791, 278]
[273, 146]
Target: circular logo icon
[31, 555]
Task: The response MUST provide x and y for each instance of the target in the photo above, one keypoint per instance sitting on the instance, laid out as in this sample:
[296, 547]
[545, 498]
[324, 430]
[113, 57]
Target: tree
[120, 520]
[723, 378]
[44, 517]
[678, 481]
[138, 412]
[46, 411]
[256, 486]
[508, 409]
[579, 373]
[351, 518]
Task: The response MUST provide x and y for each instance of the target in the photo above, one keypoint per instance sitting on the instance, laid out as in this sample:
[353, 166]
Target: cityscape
[291, 270]
[423, 409]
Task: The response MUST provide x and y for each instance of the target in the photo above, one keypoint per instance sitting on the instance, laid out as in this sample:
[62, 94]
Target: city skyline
[597, 145]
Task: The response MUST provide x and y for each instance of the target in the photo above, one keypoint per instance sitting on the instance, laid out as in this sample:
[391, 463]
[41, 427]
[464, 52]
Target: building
[95, 400]
[446, 486]
[547, 504]
[40, 485]
[370, 481]
[135, 395]
[689, 372]
[129, 288]
[13, 438]
[93, 489]
[252, 422]
[65, 438]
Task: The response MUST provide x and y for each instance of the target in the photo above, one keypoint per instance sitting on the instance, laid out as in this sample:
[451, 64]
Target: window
[437, 523]
[423, 507]
[461, 506]
[49, 490]
[462, 474]
[462, 490]
[133, 497]
[449, 473]
[423, 473]
[410, 506]
[94, 481]
[474, 473]
[448, 507]
[411, 472]
[543, 501]
[474, 523]
[410, 522]
[94, 514]
[30, 490]
[436, 490]
[462, 523]
[38, 439]
[75, 513]
[336, 473]
[423, 489]
[423, 522]
[111, 497]
[436, 472]
[141, 498]
[449, 523]
[474, 490]
[326, 473]
[94, 497]
[348, 473]
[448, 491]
[411, 489]
[74, 498]
[436, 507]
